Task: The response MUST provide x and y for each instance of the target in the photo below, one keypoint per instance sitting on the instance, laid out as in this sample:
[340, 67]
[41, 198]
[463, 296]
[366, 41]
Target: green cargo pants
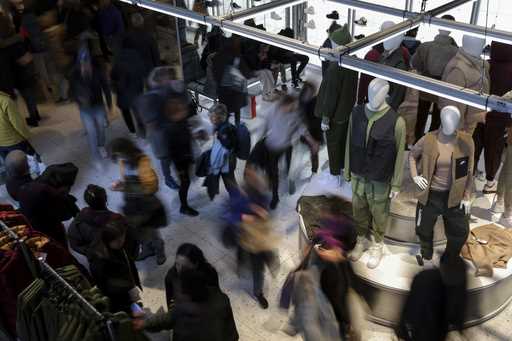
[370, 207]
[336, 139]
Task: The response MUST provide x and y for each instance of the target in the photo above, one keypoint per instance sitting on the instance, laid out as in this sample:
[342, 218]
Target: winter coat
[146, 175]
[373, 56]
[145, 45]
[211, 320]
[128, 77]
[46, 208]
[466, 71]
[500, 77]
[173, 290]
[88, 92]
[85, 230]
[179, 142]
[233, 99]
[409, 111]
[397, 60]
[411, 44]
[20, 62]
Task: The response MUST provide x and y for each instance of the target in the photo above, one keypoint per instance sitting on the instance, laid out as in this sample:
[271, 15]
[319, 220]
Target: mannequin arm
[414, 156]
[346, 170]
[400, 133]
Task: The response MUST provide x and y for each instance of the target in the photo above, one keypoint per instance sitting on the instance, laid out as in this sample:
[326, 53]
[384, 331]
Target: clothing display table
[386, 287]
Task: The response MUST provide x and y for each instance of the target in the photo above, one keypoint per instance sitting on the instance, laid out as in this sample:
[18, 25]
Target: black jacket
[179, 142]
[128, 77]
[88, 92]
[145, 45]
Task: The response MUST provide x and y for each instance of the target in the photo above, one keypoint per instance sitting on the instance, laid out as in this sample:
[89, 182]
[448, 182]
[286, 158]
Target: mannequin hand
[421, 182]
[466, 205]
[393, 194]
[325, 124]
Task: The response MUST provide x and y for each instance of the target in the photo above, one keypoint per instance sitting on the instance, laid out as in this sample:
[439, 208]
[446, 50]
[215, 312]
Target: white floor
[61, 139]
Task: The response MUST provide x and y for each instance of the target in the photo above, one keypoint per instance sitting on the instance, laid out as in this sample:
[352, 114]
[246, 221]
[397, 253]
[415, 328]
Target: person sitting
[188, 257]
[287, 57]
[87, 226]
[204, 313]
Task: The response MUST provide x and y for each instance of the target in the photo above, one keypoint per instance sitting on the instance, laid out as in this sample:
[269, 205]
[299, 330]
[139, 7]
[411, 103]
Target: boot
[376, 252]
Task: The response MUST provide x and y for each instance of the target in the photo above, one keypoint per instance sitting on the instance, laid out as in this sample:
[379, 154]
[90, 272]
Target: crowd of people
[103, 50]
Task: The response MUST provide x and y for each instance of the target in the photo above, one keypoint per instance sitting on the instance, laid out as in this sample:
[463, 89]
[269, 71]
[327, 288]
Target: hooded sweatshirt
[338, 89]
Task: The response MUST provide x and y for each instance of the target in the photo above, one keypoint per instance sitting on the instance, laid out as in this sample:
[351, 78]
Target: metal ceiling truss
[342, 54]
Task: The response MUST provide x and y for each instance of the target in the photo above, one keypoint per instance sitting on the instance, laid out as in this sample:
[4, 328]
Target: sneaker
[375, 253]
[161, 259]
[362, 245]
[262, 301]
[32, 122]
[361, 21]
[490, 187]
[310, 10]
[103, 152]
[334, 15]
[361, 36]
[275, 16]
[171, 183]
[234, 5]
[187, 210]
[310, 25]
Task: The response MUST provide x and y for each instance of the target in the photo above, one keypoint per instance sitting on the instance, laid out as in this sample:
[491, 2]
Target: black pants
[273, 169]
[456, 224]
[128, 120]
[28, 95]
[421, 121]
[183, 169]
[257, 263]
[293, 59]
[490, 137]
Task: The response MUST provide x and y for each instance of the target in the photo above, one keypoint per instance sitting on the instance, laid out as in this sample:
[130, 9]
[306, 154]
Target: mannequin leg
[456, 227]
[336, 139]
[426, 217]
[360, 208]
[379, 208]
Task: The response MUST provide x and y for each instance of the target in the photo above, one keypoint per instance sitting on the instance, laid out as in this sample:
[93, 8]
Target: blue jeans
[95, 124]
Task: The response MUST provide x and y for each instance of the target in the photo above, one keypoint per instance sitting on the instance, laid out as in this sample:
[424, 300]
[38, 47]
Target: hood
[501, 52]
[341, 36]
[474, 62]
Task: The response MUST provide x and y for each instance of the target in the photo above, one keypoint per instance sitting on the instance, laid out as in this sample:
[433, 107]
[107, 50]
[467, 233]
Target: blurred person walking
[142, 208]
[188, 257]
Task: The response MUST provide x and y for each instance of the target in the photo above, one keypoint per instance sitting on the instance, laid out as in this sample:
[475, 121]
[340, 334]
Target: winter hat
[341, 36]
[334, 26]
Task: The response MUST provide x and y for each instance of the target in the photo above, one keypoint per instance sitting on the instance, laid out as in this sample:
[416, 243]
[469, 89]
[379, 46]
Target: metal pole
[353, 22]
[350, 20]
[475, 12]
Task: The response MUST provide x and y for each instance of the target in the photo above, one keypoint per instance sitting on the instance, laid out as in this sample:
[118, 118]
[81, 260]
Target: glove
[421, 182]
[325, 123]
[466, 205]
[393, 194]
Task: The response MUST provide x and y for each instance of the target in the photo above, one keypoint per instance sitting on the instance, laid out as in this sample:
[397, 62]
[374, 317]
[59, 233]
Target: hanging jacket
[500, 77]
[397, 60]
[471, 73]
[426, 150]
[374, 157]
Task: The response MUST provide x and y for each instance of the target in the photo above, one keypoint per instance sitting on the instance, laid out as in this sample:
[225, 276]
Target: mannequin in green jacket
[335, 101]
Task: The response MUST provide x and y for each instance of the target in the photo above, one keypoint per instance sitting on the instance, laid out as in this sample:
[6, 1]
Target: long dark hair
[193, 253]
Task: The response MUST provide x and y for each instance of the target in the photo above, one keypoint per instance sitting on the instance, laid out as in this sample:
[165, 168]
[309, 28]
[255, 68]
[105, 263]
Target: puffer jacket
[465, 71]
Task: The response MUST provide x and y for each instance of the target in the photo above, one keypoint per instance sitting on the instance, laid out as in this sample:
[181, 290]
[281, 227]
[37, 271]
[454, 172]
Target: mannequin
[466, 69]
[445, 182]
[374, 163]
[336, 98]
[393, 55]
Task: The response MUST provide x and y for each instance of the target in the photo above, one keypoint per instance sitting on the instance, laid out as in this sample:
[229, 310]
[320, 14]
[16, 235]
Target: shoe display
[334, 15]
[362, 245]
[310, 10]
[262, 301]
[234, 5]
[361, 21]
[275, 16]
[359, 36]
[310, 25]
[375, 253]
[187, 210]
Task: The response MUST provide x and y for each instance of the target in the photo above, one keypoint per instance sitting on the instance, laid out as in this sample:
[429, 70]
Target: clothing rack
[46, 267]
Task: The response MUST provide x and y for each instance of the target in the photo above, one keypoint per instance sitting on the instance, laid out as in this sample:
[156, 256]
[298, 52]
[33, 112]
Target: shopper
[127, 76]
[17, 172]
[222, 155]
[410, 42]
[231, 74]
[142, 208]
[88, 85]
[307, 103]
[287, 57]
[204, 313]
[113, 268]
[188, 257]
[86, 228]
[109, 24]
[320, 288]
[179, 145]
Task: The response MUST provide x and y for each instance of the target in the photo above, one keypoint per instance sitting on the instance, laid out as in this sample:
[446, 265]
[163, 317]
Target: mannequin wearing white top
[391, 44]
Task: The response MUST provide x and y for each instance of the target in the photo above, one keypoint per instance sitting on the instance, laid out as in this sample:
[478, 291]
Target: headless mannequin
[473, 45]
[391, 44]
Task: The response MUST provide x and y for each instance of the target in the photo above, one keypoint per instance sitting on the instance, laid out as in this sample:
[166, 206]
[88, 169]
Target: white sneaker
[375, 254]
[362, 245]
[310, 10]
[103, 152]
[275, 16]
[310, 25]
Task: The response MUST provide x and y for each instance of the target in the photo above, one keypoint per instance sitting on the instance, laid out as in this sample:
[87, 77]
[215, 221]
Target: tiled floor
[61, 139]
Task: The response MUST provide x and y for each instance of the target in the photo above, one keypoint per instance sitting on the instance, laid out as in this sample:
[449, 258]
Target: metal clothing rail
[341, 53]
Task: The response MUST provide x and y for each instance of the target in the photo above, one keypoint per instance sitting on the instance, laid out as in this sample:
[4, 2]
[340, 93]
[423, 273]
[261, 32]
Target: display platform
[386, 287]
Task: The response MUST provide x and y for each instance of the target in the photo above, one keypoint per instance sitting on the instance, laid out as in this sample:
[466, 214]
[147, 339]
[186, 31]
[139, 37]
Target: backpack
[243, 145]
